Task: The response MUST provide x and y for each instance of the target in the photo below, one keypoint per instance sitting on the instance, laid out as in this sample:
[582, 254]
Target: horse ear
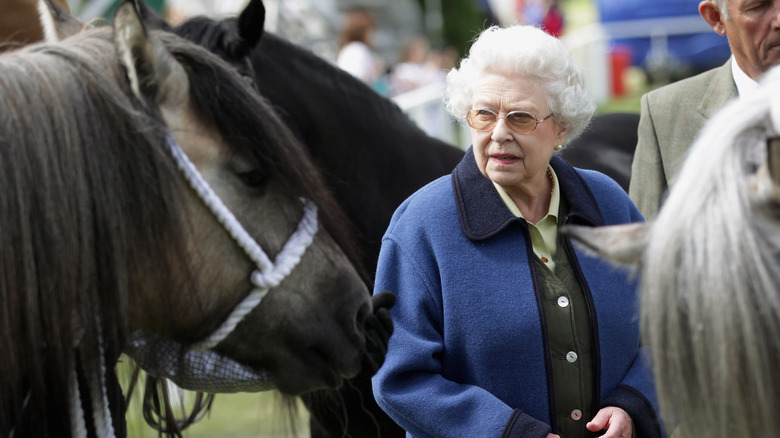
[150, 18]
[57, 23]
[153, 72]
[251, 22]
[622, 245]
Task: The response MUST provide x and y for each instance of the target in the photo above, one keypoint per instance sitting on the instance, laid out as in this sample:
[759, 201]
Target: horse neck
[370, 153]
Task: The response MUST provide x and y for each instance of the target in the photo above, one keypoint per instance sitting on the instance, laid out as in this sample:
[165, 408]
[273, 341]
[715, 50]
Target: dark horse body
[607, 145]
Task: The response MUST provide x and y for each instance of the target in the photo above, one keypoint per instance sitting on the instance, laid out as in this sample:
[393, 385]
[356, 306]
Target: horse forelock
[709, 287]
[77, 155]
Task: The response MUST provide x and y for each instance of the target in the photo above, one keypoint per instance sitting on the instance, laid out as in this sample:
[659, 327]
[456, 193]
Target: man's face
[753, 31]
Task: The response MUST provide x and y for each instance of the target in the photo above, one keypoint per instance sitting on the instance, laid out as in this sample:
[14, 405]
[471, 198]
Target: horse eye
[254, 178]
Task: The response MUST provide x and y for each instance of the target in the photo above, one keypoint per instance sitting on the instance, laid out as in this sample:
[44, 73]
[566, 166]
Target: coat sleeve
[648, 180]
[410, 386]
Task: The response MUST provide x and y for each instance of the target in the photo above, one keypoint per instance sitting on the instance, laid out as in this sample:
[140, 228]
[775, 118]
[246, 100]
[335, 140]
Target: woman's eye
[254, 178]
[522, 117]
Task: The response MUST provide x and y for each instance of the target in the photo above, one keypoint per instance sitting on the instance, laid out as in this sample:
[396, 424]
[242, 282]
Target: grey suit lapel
[719, 92]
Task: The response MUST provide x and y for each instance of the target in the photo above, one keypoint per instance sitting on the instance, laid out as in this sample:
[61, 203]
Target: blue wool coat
[469, 355]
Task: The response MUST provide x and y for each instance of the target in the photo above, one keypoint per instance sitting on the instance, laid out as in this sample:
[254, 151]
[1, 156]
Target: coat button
[563, 301]
[571, 357]
[576, 414]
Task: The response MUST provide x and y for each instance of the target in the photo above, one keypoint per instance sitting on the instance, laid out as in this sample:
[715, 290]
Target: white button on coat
[576, 414]
[563, 301]
[571, 357]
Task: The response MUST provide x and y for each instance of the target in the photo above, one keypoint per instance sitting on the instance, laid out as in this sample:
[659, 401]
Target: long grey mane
[710, 303]
[76, 155]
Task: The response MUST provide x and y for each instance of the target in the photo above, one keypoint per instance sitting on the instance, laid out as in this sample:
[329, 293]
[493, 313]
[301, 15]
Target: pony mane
[710, 308]
[353, 93]
[77, 155]
[221, 38]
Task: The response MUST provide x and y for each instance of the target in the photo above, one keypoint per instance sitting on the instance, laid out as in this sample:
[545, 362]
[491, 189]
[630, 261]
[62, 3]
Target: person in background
[673, 115]
[415, 69]
[20, 23]
[356, 53]
[502, 327]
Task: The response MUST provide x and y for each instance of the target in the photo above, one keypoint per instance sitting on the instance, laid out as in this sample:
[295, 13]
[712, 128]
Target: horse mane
[221, 38]
[710, 308]
[77, 155]
[353, 93]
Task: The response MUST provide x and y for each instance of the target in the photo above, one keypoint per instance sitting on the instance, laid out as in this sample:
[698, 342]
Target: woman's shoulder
[611, 198]
[434, 200]
[600, 181]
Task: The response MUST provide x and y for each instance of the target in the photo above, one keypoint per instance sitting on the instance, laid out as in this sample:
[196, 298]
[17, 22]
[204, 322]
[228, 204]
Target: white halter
[269, 274]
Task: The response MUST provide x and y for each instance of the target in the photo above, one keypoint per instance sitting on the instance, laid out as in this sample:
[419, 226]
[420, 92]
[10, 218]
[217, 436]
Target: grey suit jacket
[670, 120]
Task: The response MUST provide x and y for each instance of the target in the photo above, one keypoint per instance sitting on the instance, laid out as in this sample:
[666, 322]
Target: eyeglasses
[521, 122]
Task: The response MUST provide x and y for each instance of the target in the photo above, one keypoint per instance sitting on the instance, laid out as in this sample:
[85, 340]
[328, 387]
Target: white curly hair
[529, 51]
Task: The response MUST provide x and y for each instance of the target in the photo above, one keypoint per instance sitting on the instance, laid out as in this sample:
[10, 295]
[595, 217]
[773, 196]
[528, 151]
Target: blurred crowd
[418, 64]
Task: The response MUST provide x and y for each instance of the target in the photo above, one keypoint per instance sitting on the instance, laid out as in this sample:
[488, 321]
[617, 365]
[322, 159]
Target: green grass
[242, 415]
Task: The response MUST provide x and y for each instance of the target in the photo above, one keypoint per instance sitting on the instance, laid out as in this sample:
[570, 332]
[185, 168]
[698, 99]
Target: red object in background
[553, 22]
[620, 58]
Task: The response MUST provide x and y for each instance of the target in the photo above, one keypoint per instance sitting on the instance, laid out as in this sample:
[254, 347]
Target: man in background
[673, 115]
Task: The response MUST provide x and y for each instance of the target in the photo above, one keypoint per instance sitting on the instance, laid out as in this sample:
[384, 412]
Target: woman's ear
[561, 135]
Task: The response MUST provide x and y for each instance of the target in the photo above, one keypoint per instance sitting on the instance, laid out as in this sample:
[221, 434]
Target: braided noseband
[269, 274]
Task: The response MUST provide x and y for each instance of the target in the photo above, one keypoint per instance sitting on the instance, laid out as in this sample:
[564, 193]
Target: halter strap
[269, 274]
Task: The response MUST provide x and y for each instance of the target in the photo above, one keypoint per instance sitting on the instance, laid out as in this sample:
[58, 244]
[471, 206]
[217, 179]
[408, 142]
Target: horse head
[172, 193]
[710, 271]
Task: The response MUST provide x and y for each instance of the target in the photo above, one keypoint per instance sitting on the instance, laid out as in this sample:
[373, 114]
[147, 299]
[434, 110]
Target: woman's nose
[501, 132]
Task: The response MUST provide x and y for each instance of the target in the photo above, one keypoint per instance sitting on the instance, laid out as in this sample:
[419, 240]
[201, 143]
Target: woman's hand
[614, 420]
[552, 435]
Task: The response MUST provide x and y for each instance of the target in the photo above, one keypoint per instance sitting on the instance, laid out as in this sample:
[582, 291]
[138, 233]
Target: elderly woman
[502, 327]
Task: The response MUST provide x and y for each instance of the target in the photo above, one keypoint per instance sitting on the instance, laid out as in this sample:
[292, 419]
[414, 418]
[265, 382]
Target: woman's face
[510, 159]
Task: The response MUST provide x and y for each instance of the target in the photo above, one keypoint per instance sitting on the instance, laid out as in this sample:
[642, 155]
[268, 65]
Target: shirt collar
[745, 84]
[483, 214]
[555, 198]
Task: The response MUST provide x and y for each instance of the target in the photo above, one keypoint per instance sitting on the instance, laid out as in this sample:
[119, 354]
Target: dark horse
[371, 155]
[607, 145]
[139, 203]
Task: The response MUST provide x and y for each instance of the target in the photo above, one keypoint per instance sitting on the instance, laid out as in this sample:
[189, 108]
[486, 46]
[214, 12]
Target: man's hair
[723, 5]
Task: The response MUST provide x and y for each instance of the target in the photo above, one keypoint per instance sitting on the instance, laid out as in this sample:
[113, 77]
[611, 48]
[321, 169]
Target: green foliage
[463, 20]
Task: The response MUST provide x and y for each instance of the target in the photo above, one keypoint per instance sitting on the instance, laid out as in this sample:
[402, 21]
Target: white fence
[425, 107]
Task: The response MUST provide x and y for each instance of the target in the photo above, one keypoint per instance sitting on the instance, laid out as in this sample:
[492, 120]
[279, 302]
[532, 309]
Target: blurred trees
[462, 22]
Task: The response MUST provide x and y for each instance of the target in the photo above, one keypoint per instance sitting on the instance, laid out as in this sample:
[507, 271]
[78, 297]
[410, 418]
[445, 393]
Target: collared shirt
[745, 84]
[544, 234]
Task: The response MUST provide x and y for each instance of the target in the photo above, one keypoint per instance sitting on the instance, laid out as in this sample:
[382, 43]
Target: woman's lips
[504, 159]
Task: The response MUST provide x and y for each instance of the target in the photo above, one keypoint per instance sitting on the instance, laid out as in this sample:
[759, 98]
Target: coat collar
[483, 214]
